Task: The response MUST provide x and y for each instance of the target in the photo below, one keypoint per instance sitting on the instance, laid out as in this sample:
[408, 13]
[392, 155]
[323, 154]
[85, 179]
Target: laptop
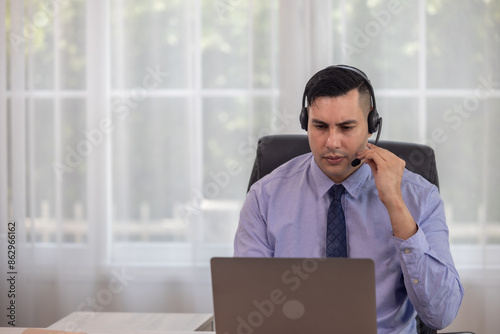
[293, 295]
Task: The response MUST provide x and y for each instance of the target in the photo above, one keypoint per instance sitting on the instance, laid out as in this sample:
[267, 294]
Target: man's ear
[368, 135]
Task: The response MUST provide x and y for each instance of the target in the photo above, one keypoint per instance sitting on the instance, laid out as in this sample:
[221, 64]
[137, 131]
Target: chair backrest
[275, 150]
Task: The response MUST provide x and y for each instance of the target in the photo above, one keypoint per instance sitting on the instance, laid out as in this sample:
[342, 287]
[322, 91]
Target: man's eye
[347, 128]
[320, 126]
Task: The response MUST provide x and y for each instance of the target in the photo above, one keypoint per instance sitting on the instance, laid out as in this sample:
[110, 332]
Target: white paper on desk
[47, 331]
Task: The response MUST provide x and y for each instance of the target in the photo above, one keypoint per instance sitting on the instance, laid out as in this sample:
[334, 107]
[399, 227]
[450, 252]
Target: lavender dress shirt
[285, 213]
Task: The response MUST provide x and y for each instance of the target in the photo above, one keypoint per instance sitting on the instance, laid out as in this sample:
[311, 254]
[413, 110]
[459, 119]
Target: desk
[118, 322]
[19, 330]
[11, 330]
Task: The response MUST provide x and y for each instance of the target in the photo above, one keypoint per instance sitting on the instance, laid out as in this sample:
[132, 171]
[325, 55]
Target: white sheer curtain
[128, 129]
[127, 136]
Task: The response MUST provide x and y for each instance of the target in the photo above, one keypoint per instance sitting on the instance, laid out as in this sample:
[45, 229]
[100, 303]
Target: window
[141, 121]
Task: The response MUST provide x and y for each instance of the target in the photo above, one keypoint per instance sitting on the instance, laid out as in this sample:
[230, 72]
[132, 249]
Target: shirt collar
[352, 184]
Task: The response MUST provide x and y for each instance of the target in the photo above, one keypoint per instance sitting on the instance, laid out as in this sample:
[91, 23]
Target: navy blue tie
[336, 241]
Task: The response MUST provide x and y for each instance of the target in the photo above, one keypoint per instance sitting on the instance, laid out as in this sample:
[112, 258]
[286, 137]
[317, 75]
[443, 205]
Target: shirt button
[407, 251]
[415, 281]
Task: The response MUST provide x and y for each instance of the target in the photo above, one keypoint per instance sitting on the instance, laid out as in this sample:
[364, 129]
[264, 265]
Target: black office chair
[273, 151]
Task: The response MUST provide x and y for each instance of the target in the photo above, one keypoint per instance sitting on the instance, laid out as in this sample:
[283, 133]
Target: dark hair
[335, 81]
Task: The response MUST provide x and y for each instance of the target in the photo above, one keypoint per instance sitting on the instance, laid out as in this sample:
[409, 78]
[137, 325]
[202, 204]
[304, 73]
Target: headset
[374, 120]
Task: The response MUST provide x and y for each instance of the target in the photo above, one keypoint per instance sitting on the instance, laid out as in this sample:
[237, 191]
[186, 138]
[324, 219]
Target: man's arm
[388, 171]
[431, 280]
[251, 236]
[430, 277]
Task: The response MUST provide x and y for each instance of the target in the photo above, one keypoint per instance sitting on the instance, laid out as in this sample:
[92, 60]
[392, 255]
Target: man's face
[337, 129]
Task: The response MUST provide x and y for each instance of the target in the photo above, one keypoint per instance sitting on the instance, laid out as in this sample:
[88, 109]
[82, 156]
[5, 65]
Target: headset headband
[374, 120]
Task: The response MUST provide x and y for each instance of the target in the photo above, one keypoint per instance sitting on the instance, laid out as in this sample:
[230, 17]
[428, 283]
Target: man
[392, 215]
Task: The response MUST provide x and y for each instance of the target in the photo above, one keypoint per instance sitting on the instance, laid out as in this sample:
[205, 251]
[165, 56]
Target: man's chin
[337, 173]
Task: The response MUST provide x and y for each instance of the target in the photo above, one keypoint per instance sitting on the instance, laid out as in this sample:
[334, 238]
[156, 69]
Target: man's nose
[333, 140]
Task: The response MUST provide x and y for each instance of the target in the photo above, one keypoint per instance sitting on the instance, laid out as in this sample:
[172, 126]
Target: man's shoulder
[414, 180]
[287, 172]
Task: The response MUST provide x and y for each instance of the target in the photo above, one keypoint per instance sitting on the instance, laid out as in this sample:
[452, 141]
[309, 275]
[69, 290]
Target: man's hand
[388, 171]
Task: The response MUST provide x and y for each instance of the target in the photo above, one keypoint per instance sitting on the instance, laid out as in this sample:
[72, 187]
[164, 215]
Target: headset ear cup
[373, 121]
[304, 118]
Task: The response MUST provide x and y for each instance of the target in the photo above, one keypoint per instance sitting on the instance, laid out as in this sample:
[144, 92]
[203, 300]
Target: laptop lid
[294, 295]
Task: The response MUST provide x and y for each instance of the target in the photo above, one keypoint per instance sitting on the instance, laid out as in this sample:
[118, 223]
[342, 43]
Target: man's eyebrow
[344, 123]
[317, 121]
[347, 122]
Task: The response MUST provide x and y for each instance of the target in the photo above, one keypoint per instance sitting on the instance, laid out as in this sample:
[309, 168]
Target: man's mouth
[334, 159]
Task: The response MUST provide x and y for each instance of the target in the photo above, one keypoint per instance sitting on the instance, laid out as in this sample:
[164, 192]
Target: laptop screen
[293, 295]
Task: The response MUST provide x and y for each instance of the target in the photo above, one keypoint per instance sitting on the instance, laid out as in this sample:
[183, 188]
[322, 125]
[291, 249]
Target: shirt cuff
[410, 252]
